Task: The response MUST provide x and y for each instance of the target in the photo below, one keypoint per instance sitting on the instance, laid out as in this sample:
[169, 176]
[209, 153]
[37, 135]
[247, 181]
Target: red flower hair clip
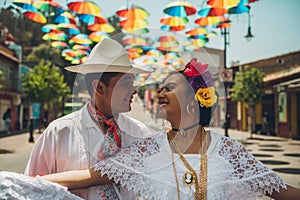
[194, 68]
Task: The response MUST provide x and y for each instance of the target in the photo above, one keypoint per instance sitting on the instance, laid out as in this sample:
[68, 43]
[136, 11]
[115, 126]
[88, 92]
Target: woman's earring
[190, 109]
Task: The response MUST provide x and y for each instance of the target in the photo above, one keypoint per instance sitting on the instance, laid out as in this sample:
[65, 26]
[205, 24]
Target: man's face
[120, 92]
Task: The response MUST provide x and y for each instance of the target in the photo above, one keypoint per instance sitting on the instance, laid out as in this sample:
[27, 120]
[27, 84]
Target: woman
[188, 162]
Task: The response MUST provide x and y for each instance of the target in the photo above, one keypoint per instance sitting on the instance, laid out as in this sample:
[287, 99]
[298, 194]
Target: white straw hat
[107, 56]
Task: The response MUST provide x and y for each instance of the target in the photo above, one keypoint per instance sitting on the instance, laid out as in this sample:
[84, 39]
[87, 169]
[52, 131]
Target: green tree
[249, 88]
[45, 85]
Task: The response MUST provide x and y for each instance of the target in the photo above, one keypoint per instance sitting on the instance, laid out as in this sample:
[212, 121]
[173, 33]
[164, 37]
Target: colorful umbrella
[48, 6]
[210, 21]
[134, 41]
[72, 28]
[65, 18]
[167, 38]
[130, 49]
[154, 52]
[35, 16]
[242, 7]
[180, 9]
[80, 39]
[101, 27]
[98, 36]
[84, 7]
[25, 4]
[196, 31]
[223, 3]
[48, 27]
[134, 12]
[54, 36]
[130, 25]
[92, 19]
[172, 28]
[59, 44]
[174, 21]
[212, 11]
[81, 47]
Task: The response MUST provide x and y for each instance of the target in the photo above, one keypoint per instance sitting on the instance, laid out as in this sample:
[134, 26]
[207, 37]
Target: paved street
[280, 154]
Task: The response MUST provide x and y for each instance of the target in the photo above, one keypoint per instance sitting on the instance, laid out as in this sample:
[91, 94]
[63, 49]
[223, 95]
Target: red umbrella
[206, 21]
[84, 7]
[36, 17]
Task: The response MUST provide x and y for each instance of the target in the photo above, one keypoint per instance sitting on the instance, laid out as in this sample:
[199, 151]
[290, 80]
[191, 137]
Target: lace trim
[257, 176]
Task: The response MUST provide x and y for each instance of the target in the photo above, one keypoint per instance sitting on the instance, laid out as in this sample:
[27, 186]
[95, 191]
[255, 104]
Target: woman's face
[173, 98]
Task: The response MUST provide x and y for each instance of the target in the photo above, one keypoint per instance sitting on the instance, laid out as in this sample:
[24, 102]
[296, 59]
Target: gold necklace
[190, 177]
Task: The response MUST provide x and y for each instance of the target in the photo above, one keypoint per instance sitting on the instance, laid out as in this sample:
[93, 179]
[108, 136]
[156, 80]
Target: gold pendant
[188, 178]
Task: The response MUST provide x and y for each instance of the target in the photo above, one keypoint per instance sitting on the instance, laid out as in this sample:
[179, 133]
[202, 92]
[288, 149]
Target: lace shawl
[145, 169]
[21, 187]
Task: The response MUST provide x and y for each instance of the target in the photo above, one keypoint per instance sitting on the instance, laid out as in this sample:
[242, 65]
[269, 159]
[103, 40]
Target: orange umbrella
[196, 31]
[36, 17]
[134, 12]
[84, 7]
[133, 24]
[101, 27]
[207, 21]
[134, 41]
[223, 3]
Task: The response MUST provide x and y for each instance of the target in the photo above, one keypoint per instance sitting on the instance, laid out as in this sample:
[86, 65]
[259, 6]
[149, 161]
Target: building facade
[279, 112]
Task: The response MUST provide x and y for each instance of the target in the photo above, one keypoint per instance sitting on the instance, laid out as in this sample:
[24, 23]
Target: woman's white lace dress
[144, 170]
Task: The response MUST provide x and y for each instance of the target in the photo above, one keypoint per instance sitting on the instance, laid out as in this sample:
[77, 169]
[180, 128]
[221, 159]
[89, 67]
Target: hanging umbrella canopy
[55, 36]
[84, 7]
[242, 7]
[71, 28]
[172, 28]
[223, 3]
[35, 16]
[212, 11]
[65, 18]
[80, 39]
[82, 47]
[48, 6]
[80, 53]
[180, 9]
[167, 38]
[129, 25]
[101, 27]
[134, 12]
[174, 21]
[130, 49]
[98, 36]
[154, 52]
[92, 19]
[134, 41]
[59, 44]
[48, 27]
[196, 31]
[210, 21]
[25, 5]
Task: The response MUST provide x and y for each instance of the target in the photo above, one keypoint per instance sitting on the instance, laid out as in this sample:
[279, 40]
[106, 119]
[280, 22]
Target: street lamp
[225, 33]
[249, 35]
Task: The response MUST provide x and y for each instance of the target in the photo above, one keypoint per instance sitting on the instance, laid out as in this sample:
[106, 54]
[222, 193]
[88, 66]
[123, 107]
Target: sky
[274, 24]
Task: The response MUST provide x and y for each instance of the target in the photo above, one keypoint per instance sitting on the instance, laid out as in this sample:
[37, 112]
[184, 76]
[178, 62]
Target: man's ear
[98, 86]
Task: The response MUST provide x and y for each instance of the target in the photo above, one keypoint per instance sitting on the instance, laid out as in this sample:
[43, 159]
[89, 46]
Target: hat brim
[100, 68]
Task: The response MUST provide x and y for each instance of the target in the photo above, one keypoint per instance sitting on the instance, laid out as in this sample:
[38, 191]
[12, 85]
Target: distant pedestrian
[7, 119]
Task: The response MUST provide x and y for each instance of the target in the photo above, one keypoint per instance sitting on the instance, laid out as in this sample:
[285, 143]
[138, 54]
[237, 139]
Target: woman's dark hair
[204, 112]
[103, 77]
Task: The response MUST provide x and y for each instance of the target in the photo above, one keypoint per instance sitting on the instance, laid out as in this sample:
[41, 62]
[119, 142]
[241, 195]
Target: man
[83, 138]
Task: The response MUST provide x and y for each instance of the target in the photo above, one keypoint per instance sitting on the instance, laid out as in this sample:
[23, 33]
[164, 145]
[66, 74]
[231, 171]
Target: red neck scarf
[112, 139]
